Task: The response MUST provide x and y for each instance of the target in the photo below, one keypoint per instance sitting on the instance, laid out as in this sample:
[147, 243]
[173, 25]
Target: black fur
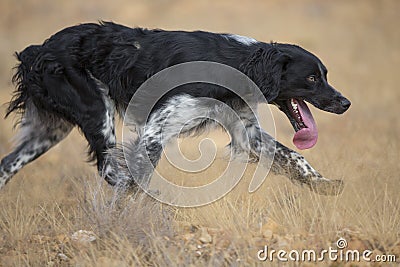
[61, 77]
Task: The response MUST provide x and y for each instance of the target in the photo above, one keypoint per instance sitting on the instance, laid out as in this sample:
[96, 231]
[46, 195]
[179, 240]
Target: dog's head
[289, 76]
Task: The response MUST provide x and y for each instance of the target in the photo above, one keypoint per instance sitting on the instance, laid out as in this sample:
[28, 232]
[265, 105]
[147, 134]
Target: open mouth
[302, 121]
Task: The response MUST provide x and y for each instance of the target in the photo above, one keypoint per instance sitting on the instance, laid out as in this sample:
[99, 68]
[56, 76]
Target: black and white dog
[82, 74]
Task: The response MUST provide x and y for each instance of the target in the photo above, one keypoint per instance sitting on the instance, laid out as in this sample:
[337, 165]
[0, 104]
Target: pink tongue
[306, 137]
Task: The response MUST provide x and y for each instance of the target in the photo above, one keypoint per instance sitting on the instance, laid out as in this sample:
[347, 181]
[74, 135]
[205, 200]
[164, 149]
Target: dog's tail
[22, 78]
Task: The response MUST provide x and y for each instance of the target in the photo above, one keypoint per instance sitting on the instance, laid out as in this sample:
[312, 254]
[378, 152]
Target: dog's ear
[265, 67]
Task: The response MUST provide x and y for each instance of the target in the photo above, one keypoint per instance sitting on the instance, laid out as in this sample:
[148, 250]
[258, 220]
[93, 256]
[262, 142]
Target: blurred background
[358, 41]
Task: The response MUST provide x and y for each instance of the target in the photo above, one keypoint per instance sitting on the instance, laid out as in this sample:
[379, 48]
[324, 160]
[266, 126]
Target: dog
[83, 74]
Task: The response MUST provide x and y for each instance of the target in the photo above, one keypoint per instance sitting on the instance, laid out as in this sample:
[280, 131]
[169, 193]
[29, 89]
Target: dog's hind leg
[37, 134]
[179, 115]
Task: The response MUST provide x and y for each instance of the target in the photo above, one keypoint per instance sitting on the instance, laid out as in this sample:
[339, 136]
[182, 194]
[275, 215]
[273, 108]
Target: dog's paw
[327, 187]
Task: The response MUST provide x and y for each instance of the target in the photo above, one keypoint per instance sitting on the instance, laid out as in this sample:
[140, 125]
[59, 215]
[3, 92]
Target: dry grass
[59, 194]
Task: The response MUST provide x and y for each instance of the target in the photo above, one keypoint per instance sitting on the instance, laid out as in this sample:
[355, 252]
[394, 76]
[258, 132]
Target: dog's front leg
[249, 138]
[293, 165]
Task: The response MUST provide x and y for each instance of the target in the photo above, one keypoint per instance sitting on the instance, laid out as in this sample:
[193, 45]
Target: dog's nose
[345, 103]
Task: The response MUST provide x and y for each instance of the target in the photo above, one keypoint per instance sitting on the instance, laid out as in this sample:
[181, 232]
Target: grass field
[48, 202]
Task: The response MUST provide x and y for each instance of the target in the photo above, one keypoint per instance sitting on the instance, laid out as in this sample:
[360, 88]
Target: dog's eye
[312, 78]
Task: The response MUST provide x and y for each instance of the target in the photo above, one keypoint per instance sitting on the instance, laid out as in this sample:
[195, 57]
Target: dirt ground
[45, 205]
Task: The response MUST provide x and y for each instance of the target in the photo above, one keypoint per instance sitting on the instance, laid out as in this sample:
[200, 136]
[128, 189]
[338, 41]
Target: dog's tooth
[294, 105]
